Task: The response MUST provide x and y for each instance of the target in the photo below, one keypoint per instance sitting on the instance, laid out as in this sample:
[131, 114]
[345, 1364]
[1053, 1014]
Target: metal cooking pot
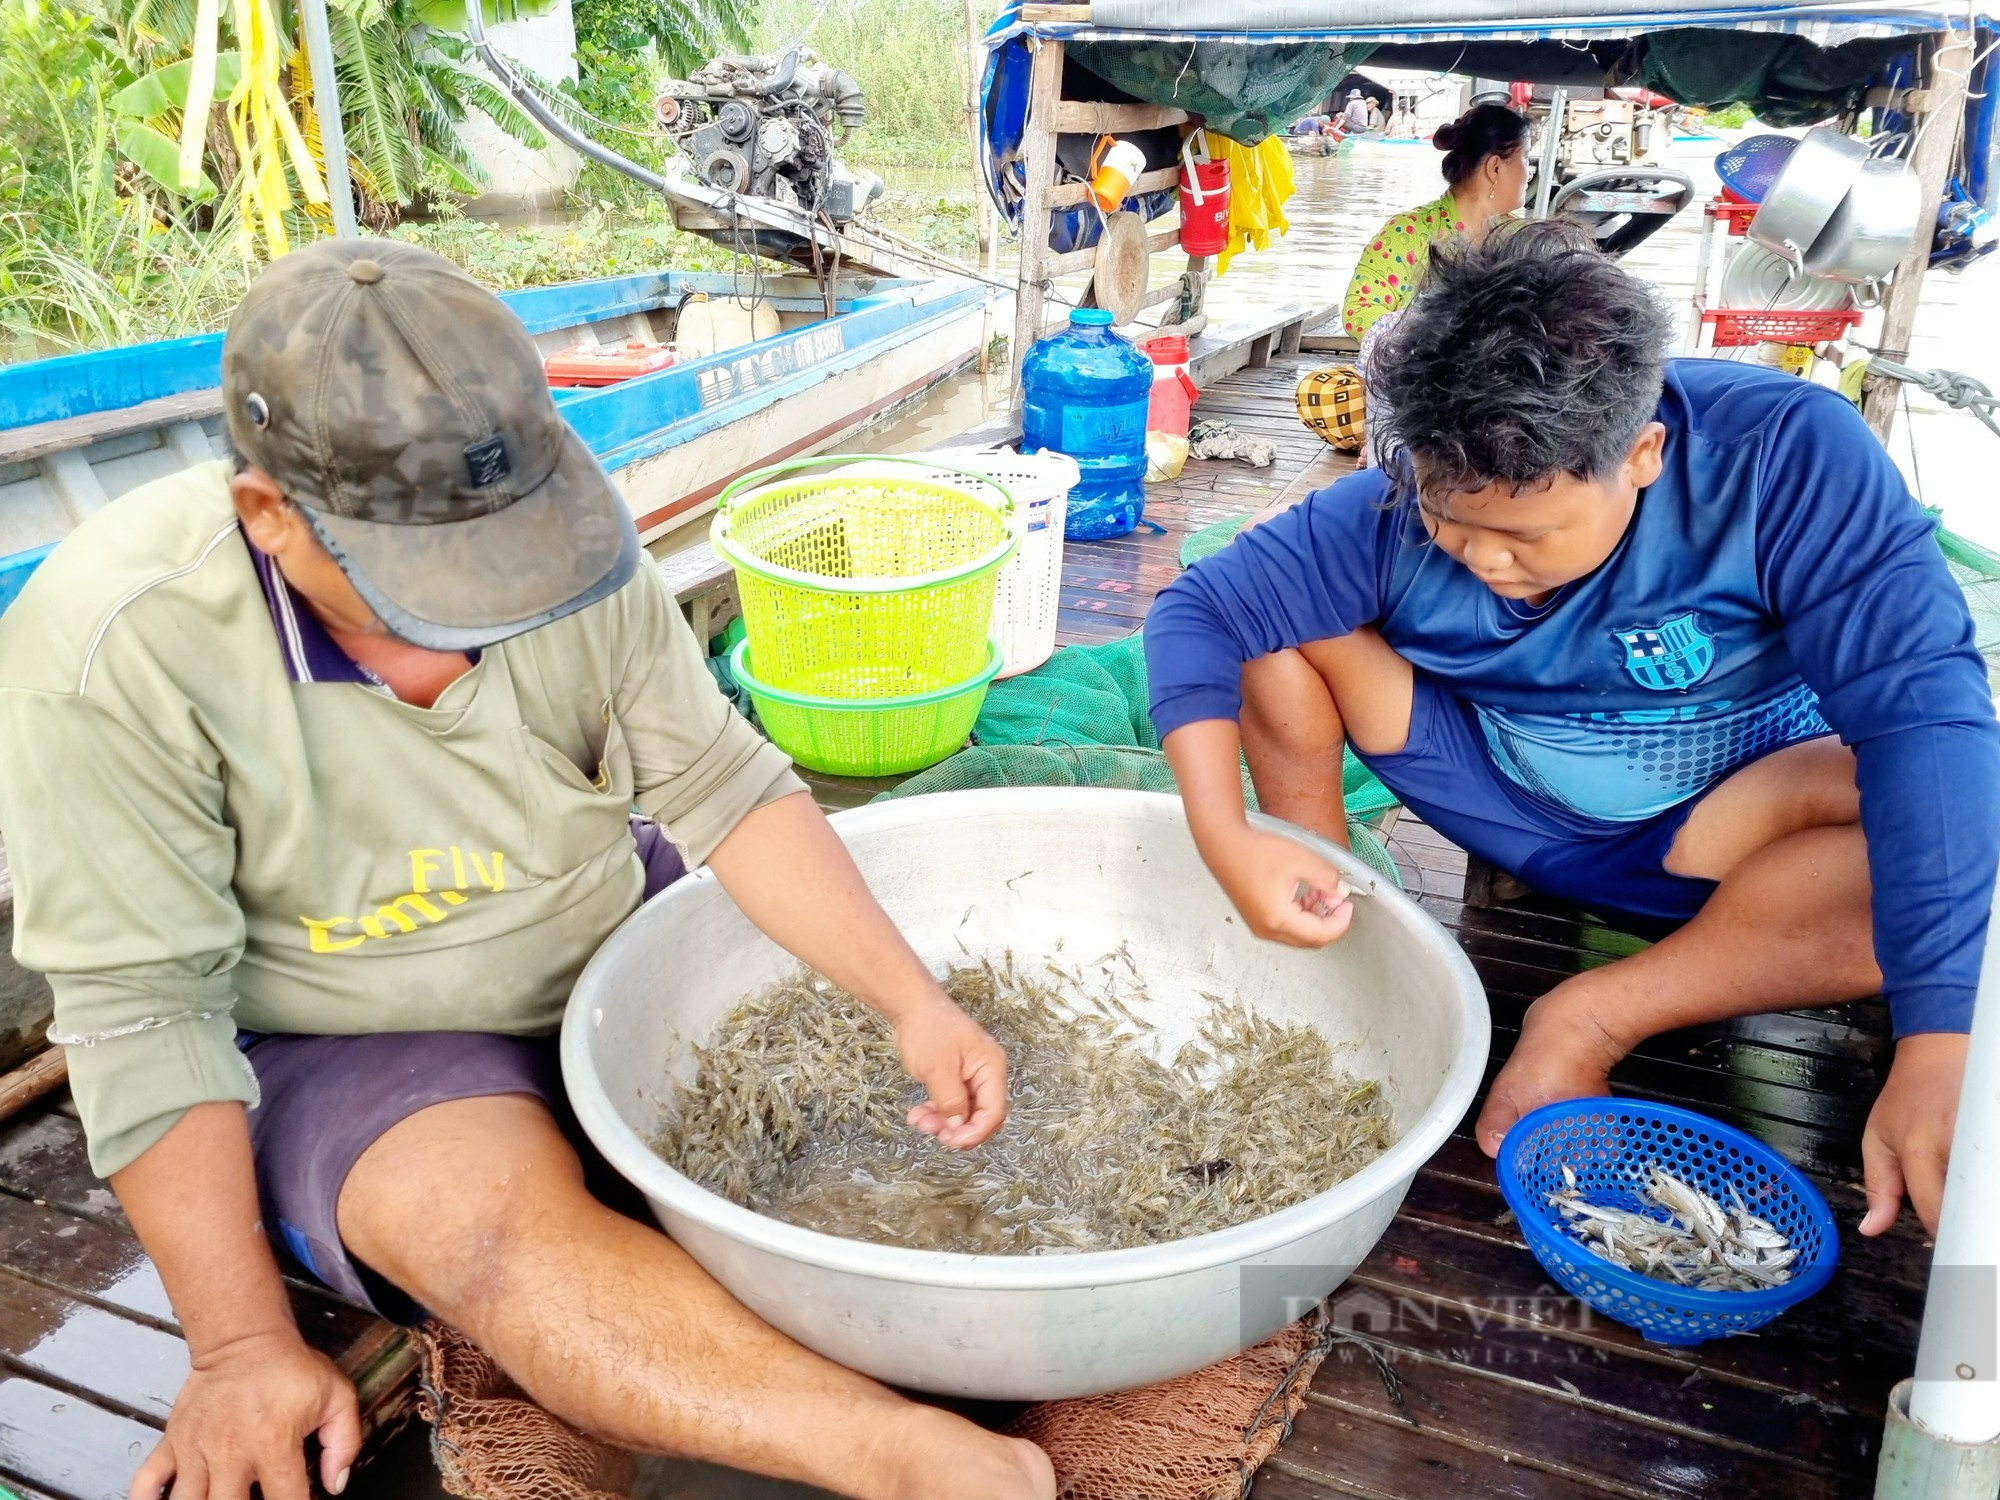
[1763, 280]
[1027, 869]
[1871, 230]
[1808, 192]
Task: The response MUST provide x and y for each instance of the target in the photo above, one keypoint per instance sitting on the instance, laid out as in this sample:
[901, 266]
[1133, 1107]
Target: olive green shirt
[200, 843]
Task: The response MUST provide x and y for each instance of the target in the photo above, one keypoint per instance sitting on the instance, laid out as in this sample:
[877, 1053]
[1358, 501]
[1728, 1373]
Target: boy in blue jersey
[1667, 637]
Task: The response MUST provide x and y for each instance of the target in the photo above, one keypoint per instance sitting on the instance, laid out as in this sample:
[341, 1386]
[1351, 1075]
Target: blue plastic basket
[1749, 167]
[1611, 1145]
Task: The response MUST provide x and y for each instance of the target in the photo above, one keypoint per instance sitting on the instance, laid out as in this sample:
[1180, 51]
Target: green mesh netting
[1978, 573]
[1245, 93]
[1210, 539]
[1786, 79]
[1080, 719]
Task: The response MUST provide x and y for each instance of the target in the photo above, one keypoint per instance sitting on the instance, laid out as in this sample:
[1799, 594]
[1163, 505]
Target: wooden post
[1947, 66]
[41, 1074]
[1039, 163]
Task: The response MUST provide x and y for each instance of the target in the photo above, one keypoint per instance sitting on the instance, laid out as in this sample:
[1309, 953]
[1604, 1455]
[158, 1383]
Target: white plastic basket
[1029, 589]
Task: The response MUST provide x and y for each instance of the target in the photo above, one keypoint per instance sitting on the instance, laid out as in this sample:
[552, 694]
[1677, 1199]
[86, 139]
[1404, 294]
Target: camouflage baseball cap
[404, 408]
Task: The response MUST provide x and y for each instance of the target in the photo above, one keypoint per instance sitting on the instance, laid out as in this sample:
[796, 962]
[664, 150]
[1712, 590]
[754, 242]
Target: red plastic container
[1204, 198]
[1174, 390]
[1736, 328]
[1735, 212]
[606, 364]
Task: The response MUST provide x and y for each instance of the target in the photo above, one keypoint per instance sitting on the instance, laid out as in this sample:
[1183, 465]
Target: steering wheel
[1623, 206]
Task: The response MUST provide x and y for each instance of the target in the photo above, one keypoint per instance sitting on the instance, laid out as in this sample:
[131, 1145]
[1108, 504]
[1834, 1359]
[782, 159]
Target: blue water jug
[1084, 393]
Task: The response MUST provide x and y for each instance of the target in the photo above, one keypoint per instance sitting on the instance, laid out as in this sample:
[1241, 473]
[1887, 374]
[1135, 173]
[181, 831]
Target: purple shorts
[327, 1099]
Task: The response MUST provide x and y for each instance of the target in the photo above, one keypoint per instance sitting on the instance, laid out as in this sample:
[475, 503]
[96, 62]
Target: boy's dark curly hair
[1523, 357]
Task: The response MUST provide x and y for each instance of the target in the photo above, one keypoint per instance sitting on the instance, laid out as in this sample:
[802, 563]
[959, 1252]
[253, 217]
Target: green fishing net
[1786, 79]
[1978, 573]
[1210, 539]
[1245, 93]
[1080, 719]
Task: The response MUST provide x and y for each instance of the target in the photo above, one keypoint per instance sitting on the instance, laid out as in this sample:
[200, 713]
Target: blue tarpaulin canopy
[1264, 22]
[1248, 68]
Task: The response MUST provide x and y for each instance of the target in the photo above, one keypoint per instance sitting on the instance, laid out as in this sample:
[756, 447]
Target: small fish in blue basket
[1701, 1245]
[1664, 1219]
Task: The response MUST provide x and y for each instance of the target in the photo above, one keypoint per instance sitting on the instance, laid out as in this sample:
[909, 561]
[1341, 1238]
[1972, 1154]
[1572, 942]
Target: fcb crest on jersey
[1671, 656]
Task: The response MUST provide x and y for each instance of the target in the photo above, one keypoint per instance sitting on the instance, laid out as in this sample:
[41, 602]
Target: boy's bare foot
[934, 1454]
[1564, 1053]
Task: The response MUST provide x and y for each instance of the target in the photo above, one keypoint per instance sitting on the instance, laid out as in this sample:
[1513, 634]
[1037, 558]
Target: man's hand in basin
[961, 1067]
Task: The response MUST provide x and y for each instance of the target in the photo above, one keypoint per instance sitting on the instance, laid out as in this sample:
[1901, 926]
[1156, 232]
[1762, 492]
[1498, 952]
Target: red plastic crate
[1736, 327]
[1735, 217]
[606, 364]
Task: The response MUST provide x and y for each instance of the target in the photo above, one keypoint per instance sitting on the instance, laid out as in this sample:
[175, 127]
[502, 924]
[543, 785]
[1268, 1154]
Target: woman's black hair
[1482, 131]
[1525, 356]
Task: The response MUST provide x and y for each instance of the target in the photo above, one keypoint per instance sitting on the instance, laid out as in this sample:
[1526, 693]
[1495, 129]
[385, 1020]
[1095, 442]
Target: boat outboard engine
[767, 126]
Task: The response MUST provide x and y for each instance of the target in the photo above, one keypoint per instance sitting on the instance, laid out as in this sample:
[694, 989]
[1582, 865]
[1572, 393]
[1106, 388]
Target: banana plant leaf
[166, 88]
[158, 155]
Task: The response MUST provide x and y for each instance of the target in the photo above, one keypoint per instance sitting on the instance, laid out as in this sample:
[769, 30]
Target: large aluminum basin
[1023, 869]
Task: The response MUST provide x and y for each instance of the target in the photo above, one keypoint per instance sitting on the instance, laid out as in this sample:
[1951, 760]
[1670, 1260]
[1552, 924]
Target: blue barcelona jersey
[1776, 581]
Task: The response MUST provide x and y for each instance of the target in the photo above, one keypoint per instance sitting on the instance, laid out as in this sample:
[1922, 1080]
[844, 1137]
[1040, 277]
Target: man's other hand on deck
[244, 1415]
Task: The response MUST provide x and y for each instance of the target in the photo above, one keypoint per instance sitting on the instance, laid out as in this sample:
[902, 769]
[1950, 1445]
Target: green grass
[605, 240]
[191, 285]
[615, 240]
[869, 148]
[907, 55]
[86, 261]
[943, 221]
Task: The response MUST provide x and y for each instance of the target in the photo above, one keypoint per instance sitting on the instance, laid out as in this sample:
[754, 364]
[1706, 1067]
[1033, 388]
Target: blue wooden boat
[79, 430]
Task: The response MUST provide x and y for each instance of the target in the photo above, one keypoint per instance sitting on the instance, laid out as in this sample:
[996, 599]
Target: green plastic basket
[867, 736]
[865, 585]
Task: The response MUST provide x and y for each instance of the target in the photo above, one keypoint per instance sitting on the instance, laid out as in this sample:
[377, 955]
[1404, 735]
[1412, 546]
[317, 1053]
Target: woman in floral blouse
[1486, 177]
[1486, 173]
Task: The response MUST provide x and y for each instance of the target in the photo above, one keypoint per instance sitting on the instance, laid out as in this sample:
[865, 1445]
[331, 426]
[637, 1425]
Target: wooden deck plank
[19, 444]
[82, 1308]
[1804, 1434]
[118, 1360]
[41, 1156]
[1488, 1277]
[83, 1258]
[1544, 1427]
[1866, 1307]
[1336, 1452]
[65, 1447]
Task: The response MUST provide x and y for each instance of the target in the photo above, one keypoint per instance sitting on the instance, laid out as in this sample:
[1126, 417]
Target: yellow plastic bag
[1260, 184]
[1166, 456]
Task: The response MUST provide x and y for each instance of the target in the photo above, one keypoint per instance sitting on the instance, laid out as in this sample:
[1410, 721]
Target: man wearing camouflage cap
[318, 780]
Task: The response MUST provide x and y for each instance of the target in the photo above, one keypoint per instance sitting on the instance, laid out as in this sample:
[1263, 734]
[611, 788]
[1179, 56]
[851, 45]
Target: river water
[1948, 457]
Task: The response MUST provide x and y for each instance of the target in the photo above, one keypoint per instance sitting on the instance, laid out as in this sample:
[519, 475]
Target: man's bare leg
[477, 1209]
[1788, 926]
[1300, 707]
